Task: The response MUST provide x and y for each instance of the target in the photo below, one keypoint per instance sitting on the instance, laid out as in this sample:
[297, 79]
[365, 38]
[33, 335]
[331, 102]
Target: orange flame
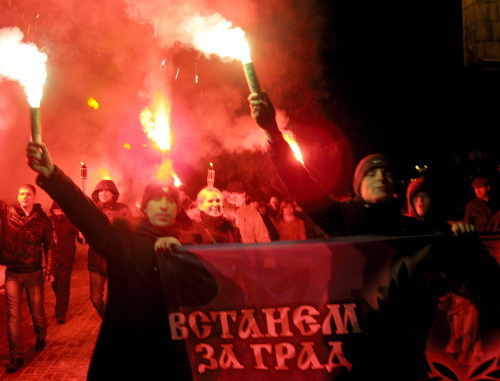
[104, 173]
[290, 139]
[166, 173]
[155, 121]
[92, 103]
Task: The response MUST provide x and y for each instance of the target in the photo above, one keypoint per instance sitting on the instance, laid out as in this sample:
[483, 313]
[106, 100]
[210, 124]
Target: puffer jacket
[27, 239]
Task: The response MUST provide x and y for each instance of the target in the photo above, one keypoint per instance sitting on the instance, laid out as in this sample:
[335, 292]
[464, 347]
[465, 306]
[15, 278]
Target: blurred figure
[464, 344]
[210, 224]
[29, 251]
[262, 208]
[480, 210]
[312, 230]
[249, 221]
[66, 238]
[185, 201]
[274, 204]
[418, 199]
[419, 205]
[105, 195]
[290, 227]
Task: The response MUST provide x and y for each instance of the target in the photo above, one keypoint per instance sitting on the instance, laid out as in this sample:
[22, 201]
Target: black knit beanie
[366, 164]
[156, 190]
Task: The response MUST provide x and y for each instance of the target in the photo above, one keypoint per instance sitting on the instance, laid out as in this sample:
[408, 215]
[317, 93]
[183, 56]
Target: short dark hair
[29, 186]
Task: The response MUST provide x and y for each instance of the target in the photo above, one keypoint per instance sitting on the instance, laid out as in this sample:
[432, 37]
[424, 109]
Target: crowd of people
[134, 272]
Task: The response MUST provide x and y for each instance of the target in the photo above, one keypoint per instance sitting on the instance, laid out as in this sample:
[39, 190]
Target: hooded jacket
[27, 239]
[113, 210]
[417, 185]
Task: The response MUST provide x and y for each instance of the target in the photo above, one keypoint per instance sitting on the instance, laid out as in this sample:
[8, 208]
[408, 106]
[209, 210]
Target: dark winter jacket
[27, 239]
[479, 213]
[113, 210]
[134, 341]
[212, 230]
[66, 237]
[338, 218]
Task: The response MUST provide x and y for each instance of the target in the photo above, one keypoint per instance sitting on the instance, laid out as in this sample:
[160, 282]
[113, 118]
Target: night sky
[348, 78]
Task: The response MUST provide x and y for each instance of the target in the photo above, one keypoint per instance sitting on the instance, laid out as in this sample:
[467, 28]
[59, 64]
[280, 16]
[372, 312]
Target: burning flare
[215, 35]
[155, 121]
[290, 139]
[23, 62]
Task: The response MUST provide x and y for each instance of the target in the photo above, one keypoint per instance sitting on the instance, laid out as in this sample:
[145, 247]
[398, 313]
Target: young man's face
[212, 204]
[161, 211]
[377, 185]
[57, 212]
[481, 191]
[26, 197]
[421, 203]
[274, 203]
[105, 195]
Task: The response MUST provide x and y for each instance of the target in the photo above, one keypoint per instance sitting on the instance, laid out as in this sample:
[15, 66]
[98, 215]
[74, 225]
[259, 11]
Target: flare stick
[251, 76]
[36, 126]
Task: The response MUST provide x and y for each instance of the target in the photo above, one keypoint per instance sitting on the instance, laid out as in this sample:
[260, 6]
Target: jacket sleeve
[261, 232]
[81, 210]
[326, 212]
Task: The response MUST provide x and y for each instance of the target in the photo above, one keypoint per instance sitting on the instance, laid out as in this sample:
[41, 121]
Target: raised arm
[81, 210]
[300, 184]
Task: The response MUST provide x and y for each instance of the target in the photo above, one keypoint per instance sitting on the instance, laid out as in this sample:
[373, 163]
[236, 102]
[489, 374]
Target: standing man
[28, 239]
[105, 195]
[66, 236]
[248, 219]
[147, 281]
[479, 211]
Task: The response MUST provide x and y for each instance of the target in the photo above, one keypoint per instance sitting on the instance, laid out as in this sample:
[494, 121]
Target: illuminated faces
[161, 211]
[421, 203]
[105, 195]
[212, 204]
[26, 197]
[377, 185]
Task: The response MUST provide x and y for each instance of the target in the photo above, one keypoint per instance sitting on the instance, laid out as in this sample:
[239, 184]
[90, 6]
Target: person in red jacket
[67, 235]
[28, 239]
[106, 196]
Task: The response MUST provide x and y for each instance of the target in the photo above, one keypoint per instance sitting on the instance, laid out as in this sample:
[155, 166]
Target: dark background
[395, 81]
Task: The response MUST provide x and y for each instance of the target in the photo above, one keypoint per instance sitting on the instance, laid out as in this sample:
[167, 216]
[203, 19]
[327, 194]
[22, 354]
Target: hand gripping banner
[361, 308]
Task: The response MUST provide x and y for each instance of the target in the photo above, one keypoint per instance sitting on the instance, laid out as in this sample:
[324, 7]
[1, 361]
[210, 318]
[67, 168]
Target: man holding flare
[146, 280]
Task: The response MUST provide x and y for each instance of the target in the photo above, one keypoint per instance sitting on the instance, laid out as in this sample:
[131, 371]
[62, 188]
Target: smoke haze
[118, 52]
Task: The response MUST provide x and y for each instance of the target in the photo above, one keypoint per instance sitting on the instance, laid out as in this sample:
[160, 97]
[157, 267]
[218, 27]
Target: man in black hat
[373, 210]
[146, 280]
[480, 210]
